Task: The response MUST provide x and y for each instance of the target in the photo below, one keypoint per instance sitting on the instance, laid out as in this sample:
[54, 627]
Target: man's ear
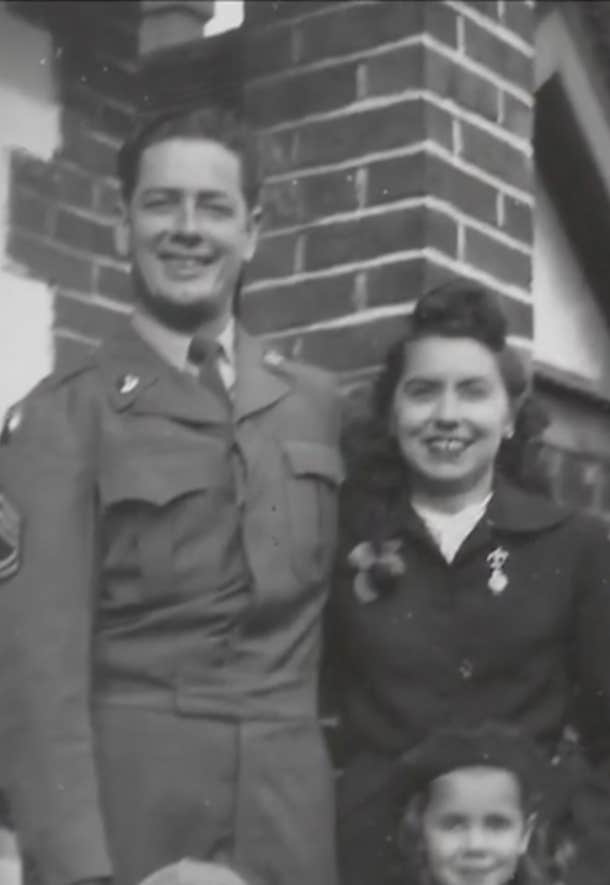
[255, 219]
[122, 232]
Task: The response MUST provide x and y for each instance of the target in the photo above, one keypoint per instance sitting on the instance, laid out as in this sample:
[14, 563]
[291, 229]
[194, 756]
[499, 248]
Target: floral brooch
[377, 570]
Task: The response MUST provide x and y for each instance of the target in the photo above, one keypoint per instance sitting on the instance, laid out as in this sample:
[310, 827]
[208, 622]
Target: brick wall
[61, 212]
[397, 142]
[397, 145]
[396, 139]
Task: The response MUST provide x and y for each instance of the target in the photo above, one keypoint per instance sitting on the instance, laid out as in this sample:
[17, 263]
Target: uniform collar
[173, 346]
[139, 379]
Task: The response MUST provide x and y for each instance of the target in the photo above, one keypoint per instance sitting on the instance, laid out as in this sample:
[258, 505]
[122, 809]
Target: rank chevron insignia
[10, 532]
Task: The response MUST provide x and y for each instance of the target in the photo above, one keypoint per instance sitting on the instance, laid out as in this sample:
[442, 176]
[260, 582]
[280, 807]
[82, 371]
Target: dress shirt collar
[173, 346]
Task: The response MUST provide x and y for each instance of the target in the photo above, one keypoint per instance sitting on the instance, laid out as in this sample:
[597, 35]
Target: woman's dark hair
[458, 309]
[217, 124]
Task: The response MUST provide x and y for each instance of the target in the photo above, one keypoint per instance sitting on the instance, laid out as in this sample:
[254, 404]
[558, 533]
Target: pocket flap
[314, 459]
[160, 477]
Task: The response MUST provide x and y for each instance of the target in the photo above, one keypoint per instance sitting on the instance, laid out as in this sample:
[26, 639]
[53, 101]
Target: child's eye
[451, 822]
[497, 822]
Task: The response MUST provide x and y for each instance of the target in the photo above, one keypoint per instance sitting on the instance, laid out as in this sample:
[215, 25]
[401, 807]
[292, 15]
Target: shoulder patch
[10, 538]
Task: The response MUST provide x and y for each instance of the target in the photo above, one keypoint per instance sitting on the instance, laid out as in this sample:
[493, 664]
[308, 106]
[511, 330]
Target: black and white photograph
[305, 442]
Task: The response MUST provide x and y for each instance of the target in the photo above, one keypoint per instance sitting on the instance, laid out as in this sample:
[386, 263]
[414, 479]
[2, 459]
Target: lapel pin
[498, 580]
[273, 358]
[12, 423]
[127, 383]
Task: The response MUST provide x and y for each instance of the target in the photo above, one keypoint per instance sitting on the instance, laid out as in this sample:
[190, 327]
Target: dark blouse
[441, 647]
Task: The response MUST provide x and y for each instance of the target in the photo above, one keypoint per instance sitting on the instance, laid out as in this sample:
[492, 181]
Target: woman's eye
[419, 390]
[475, 390]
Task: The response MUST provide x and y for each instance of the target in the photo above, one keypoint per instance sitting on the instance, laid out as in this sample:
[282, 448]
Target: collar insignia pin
[273, 358]
[128, 383]
[498, 580]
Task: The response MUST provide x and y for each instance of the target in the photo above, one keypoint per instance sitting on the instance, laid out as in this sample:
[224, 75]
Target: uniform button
[466, 669]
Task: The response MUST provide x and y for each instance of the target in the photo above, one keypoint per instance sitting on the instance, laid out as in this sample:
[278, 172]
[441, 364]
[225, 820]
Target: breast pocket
[147, 502]
[313, 474]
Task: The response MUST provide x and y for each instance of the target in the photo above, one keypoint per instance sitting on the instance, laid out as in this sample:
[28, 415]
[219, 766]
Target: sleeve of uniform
[46, 610]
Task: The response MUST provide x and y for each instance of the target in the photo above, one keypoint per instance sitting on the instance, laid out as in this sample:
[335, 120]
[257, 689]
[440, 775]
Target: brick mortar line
[297, 19]
[358, 318]
[396, 153]
[486, 177]
[111, 304]
[60, 246]
[345, 165]
[69, 335]
[428, 253]
[334, 270]
[64, 162]
[427, 201]
[336, 60]
[387, 101]
[425, 40]
[523, 145]
[477, 68]
[89, 215]
[518, 293]
[502, 32]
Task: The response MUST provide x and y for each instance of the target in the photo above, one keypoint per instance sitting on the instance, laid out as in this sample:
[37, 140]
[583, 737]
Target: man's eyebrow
[175, 191]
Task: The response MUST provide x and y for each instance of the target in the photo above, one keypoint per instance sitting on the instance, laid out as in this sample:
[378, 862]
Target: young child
[474, 815]
[194, 872]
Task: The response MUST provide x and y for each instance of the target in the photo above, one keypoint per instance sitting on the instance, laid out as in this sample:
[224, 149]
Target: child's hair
[491, 744]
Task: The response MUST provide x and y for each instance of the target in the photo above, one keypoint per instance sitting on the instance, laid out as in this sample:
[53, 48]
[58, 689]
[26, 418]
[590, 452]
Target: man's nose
[185, 222]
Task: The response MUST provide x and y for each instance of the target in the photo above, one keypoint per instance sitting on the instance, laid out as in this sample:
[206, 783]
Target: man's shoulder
[53, 402]
[302, 374]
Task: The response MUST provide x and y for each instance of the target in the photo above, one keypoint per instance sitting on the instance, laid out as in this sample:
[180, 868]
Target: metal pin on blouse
[498, 580]
[128, 383]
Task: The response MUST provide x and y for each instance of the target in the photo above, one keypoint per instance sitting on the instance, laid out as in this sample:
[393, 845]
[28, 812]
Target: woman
[460, 596]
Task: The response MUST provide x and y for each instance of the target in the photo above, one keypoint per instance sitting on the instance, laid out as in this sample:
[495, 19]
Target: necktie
[205, 353]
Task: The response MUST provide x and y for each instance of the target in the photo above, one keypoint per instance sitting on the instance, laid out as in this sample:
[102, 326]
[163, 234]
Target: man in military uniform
[168, 529]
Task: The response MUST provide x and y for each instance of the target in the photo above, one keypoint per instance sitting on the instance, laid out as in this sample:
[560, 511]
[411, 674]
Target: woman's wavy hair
[458, 309]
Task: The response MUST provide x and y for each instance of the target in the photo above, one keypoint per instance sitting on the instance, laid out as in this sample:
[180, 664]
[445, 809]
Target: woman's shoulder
[519, 510]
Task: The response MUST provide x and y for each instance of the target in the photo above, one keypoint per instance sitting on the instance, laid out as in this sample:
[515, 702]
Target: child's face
[474, 827]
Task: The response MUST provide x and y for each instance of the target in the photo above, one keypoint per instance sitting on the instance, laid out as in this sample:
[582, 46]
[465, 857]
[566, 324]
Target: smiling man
[172, 518]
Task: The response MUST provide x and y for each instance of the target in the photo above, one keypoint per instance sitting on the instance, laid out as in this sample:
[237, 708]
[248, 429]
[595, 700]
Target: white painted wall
[30, 121]
[570, 330]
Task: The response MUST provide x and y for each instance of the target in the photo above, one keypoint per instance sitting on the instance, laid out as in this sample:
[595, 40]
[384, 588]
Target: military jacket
[173, 554]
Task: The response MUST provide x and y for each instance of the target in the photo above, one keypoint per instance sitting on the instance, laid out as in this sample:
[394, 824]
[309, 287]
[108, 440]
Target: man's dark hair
[218, 124]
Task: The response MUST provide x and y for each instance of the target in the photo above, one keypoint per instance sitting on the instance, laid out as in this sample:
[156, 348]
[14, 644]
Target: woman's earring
[509, 433]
